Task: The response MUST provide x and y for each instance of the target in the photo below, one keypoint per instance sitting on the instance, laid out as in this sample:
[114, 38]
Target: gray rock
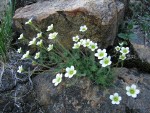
[81, 96]
[141, 47]
[101, 17]
[73, 95]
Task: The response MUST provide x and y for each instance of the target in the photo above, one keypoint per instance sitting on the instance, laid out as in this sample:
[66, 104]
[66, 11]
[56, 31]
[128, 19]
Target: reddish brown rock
[101, 17]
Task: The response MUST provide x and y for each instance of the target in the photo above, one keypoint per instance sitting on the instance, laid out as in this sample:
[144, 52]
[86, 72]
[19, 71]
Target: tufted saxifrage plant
[84, 59]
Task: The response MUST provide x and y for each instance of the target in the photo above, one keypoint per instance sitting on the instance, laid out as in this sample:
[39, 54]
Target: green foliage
[6, 32]
[127, 28]
[86, 61]
[141, 15]
[86, 66]
[126, 36]
[105, 76]
[139, 8]
[144, 22]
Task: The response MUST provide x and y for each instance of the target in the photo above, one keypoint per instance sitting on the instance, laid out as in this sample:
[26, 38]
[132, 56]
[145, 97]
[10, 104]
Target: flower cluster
[36, 41]
[123, 50]
[101, 54]
[131, 91]
[70, 72]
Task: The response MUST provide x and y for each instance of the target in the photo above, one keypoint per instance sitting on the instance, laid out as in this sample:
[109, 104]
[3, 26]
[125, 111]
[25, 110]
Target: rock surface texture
[102, 18]
[141, 48]
[22, 93]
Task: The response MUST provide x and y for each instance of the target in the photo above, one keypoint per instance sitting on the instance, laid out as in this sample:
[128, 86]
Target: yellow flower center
[125, 51]
[116, 99]
[106, 61]
[58, 79]
[101, 54]
[93, 46]
[71, 72]
[132, 91]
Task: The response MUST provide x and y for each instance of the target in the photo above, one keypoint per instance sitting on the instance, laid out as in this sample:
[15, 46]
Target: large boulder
[102, 18]
[141, 51]
[21, 94]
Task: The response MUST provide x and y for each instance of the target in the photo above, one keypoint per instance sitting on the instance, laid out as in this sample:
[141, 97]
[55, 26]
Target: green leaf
[93, 68]
[123, 36]
[132, 36]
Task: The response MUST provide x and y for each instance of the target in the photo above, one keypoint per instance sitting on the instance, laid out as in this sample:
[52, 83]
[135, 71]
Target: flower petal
[74, 72]
[128, 93]
[111, 97]
[134, 95]
[66, 75]
[72, 68]
[133, 86]
[120, 98]
[56, 84]
[116, 94]
[118, 102]
[54, 80]
[127, 88]
[113, 102]
[137, 91]
[67, 69]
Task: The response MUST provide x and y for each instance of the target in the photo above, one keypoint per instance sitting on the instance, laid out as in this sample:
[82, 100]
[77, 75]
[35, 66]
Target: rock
[141, 48]
[19, 94]
[22, 3]
[81, 96]
[101, 17]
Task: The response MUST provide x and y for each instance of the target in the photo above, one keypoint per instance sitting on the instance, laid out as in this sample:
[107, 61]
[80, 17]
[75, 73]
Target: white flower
[83, 28]
[70, 72]
[37, 55]
[124, 50]
[49, 28]
[117, 48]
[39, 43]
[32, 42]
[52, 35]
[57, 80]
[26, 55]
[105, 61]
[39, 35]
[93, 46]
[19, 50]
[132, 91]
[86, 43]
[76, 45]
[82, 41]
[21, 37]
[50, 47]
[122, 57]
[29, 21]
[75, 38]
[20, 69]
[101, 53]
[115, 98]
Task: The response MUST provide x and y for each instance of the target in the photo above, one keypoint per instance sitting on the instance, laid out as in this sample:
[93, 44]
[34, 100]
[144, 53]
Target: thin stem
[66, 50]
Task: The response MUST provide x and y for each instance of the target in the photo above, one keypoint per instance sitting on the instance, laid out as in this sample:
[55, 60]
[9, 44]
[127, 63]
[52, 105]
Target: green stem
[66, 50]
